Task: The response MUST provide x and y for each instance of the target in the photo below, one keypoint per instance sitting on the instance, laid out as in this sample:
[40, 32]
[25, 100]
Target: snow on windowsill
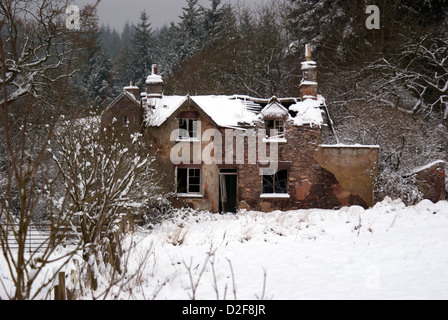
[275, 140]
[188, 140]
[188, 195]
[275, 196]
[341, 145]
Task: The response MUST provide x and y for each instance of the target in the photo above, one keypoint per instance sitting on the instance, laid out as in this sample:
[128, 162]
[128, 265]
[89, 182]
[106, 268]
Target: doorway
[228, 190]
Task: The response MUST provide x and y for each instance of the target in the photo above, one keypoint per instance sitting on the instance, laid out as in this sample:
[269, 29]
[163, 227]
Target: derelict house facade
[227, 153]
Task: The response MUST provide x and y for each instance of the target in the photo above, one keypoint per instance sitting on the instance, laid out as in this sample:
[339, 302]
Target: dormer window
[275, 129]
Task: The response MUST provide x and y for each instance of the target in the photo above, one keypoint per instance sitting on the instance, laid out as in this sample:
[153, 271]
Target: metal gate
[38, 237]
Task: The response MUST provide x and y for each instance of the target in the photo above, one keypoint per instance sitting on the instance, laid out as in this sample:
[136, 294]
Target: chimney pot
[308, 54]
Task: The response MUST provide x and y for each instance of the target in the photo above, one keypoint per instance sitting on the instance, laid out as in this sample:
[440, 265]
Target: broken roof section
[309, 112]
[236, 111]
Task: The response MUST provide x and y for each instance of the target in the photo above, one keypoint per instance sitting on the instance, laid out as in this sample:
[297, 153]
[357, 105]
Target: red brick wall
[431, 182]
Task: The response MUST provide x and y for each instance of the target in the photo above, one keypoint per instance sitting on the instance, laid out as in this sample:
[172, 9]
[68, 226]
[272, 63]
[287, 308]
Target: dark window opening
[275, 128]
[188, 128]
[277, 183]
[188, 180]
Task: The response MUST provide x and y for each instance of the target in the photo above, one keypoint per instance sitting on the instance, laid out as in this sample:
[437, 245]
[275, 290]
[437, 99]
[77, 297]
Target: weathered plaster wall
[354, 167]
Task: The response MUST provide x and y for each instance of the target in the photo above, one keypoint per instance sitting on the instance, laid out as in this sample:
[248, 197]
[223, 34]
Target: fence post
[59, 290]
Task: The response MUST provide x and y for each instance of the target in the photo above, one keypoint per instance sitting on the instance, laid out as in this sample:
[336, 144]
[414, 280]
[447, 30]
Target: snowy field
[387, 252]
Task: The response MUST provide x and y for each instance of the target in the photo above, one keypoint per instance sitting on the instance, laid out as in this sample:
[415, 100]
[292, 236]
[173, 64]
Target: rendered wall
[354, 167]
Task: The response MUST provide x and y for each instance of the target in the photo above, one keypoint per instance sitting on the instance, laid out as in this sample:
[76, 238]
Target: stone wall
[114, 117]
[430, 181]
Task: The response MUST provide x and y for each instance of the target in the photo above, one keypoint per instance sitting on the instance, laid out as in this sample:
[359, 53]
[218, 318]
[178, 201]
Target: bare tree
[109, 181]
[36, 54]
[35, 45]
[426, 75]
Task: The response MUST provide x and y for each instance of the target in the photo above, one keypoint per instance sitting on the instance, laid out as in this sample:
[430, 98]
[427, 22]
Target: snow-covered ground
[387, 252]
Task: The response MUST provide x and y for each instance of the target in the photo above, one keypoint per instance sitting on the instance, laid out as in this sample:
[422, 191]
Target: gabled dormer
[274, 116]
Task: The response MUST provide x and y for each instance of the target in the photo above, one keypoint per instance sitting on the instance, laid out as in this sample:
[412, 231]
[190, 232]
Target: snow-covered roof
[162, 109]
[309, 112]
[225, 111]
[234, 111]
[275, 110]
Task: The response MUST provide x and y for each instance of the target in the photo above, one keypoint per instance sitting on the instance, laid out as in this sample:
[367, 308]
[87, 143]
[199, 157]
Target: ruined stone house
[225, 153]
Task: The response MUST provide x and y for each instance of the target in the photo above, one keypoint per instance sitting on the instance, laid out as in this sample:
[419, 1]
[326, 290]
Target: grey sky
[116, 12]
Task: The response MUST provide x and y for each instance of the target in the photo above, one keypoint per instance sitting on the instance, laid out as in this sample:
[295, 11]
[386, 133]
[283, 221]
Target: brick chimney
[154, 84]
[309, 85]
[134, 90]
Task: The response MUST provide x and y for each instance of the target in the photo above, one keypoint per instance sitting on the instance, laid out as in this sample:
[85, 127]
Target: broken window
[188, 180]
[275, 128]
[188, 128]
[275, 183]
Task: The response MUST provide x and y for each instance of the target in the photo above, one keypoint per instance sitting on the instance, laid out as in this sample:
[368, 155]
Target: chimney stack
[154, 84]
[134, 90]
[309, 85]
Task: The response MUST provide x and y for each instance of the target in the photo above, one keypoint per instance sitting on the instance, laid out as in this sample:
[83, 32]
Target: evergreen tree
[127, 35]
[142, 49]
[125, 71]
[100, 82]
[190, 29]
[110, 40]
[218, 23]
[167, 40]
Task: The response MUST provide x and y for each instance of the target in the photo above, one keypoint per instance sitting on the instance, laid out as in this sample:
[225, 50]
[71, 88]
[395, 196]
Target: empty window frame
[275, 183]
[275, 128]
[188, 181]
[188, 128]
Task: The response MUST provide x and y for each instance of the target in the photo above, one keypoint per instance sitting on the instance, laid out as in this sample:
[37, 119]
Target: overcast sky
[116, 12]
